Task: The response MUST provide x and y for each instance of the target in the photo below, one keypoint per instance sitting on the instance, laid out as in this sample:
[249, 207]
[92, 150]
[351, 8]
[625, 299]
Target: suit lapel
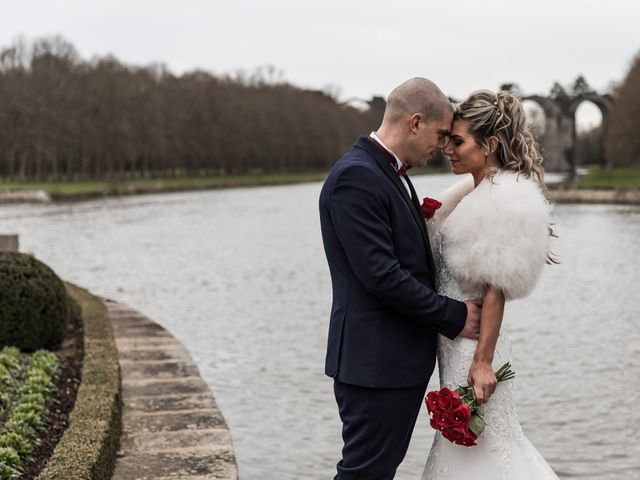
[413, 205]
[423, 228]
[386, 168]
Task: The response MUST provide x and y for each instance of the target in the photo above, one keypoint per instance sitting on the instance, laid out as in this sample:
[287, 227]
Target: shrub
[33, 303]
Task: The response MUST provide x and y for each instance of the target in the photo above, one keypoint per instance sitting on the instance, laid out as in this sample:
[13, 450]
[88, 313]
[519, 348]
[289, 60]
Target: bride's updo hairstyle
[501, 115]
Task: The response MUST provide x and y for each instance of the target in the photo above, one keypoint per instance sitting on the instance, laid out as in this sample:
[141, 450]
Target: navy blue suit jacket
[386, 312]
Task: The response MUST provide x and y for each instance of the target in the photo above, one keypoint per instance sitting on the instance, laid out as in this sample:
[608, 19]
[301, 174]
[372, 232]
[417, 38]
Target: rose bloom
[440, 419]
[447, 399]
[431, 401]
[469, 440]
[461, 415]
[429, 206]
[460, 436]
[454, 434]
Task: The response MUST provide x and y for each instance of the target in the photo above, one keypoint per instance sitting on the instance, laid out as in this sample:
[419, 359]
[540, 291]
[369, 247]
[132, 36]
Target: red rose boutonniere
[429, 206]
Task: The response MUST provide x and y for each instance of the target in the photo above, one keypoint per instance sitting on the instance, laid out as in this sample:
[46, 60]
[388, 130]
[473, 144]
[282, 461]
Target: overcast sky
[363, 48]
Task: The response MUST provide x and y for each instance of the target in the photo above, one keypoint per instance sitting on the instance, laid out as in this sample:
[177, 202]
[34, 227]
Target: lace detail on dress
[442, 471]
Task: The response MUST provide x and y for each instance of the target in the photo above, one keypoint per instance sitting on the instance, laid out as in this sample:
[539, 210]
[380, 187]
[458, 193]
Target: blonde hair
[501, 115]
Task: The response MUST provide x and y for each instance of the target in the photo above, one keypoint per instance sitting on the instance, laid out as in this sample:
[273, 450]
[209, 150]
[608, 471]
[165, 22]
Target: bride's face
[465, 154]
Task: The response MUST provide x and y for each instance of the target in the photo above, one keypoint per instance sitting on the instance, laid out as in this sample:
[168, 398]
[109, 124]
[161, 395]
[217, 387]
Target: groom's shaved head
[416, 121]
[416, 95]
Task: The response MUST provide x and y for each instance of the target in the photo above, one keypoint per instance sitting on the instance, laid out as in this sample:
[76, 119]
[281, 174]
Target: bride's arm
[481, 374]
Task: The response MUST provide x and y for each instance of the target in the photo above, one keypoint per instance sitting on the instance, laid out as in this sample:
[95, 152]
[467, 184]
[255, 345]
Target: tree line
[622, 141]
[66, 118]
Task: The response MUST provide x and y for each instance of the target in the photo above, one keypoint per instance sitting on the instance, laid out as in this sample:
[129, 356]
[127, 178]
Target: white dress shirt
[399, 162]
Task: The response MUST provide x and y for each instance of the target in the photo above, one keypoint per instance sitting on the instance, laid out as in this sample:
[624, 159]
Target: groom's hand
[472, 325]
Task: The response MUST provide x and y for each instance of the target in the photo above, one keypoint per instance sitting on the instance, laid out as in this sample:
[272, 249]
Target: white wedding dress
[479, 238]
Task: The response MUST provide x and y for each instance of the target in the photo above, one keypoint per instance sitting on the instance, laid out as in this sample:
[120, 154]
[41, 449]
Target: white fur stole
[496, 234]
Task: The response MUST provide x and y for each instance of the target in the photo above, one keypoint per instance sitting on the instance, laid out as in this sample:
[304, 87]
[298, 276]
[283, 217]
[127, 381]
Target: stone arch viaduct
[559, 140]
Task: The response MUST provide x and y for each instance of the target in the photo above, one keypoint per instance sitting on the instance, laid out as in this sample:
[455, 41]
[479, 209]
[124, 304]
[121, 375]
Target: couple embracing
[407, 290]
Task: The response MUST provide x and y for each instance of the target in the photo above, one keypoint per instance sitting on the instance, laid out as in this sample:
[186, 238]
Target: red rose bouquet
[454, 413]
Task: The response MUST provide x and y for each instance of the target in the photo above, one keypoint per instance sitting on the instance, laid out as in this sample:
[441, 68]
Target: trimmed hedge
[33, 303]
[87, 450]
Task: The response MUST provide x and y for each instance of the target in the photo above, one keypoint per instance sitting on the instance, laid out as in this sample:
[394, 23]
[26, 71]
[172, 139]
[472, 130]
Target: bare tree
[65, 118]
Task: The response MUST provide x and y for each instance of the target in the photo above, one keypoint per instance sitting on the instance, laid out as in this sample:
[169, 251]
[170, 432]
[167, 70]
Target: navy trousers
[377, 424]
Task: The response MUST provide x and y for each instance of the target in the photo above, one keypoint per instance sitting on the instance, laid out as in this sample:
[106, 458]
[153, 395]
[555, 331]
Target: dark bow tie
[402, 171]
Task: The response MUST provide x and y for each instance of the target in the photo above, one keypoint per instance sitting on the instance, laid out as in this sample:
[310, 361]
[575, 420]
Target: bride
[490, 239]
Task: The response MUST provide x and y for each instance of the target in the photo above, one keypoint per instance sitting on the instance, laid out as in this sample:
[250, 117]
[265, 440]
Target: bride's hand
[483, 380]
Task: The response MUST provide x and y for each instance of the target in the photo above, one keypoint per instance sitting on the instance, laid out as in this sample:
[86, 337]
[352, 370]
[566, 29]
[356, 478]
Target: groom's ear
[414, 122]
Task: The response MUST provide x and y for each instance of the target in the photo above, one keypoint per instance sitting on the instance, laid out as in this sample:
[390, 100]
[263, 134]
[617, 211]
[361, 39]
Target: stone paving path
[171, 425]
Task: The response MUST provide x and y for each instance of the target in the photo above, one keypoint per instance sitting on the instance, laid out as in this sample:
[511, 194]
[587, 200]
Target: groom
[386, 313]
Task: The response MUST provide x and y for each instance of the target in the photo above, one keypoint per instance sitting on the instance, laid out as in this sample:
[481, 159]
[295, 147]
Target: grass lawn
[621, 177]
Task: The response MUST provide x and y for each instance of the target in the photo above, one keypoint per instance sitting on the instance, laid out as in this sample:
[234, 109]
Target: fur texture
[496, 234]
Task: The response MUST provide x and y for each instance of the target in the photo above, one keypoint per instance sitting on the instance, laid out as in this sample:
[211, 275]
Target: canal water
[239, 276]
